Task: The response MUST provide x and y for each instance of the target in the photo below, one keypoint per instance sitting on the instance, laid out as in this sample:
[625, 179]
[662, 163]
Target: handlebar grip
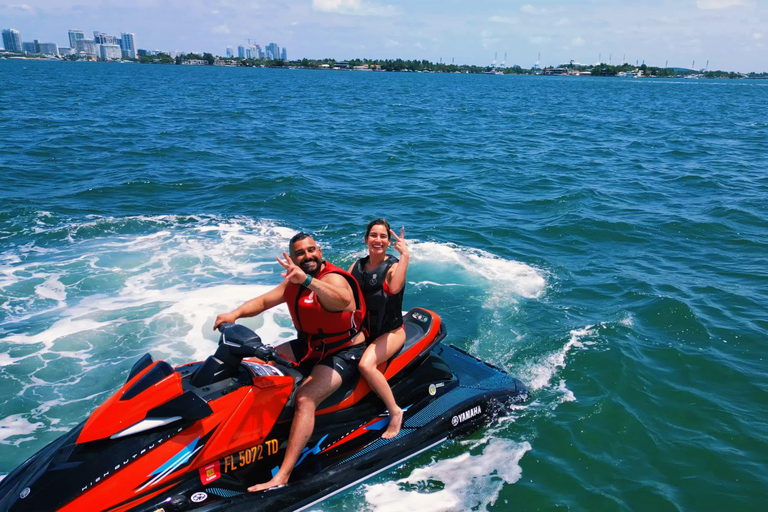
[224, 325]
[270, 354]
[283, 361]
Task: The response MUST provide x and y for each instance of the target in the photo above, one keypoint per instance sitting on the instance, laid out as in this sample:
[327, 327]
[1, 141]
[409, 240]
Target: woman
[382, 280]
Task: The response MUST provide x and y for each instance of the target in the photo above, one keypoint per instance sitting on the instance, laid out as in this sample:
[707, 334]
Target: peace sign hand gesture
[400, 245]
[292, 271]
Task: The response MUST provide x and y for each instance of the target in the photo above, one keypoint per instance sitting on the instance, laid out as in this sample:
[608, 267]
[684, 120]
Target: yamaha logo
[24, 493]
[373, 280]
[471, 413]
[199, 497]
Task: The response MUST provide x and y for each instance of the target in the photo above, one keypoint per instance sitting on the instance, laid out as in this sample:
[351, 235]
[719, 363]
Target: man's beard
[305, 267]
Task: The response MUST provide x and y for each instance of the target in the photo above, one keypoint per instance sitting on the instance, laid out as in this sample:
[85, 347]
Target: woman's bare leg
[377, 352]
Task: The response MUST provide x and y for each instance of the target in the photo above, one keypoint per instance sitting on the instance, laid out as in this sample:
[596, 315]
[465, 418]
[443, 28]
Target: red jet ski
[196, 436]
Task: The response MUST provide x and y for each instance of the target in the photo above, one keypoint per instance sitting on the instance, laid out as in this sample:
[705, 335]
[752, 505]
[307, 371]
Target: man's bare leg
[317, 387]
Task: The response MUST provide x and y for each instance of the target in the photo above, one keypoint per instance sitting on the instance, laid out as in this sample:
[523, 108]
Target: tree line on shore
[425, 66]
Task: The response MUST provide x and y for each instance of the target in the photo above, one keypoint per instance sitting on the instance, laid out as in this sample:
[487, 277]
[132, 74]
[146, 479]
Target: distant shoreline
[414, 66]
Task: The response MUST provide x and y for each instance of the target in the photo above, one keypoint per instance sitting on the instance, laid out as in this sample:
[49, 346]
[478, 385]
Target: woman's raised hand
[400, 245]
[292, 271]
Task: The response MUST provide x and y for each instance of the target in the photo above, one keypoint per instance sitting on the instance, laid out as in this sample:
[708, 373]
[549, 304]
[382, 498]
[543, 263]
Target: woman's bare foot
[395, 422]
[277, 481]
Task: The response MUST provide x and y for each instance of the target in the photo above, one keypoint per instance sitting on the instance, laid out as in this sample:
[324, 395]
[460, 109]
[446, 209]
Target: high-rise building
[102, 38]
[12, 40]
[28, 47]
[273, 51]
[64, 51]
[86, 46]
[259, 52]
[74, 37]
[241, 51]
[284, 55]
[49, 48]
[110, 52]
[128, 44]
[230, 52]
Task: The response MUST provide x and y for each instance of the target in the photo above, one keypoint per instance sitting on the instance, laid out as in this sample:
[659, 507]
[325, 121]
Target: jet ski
[196, 436]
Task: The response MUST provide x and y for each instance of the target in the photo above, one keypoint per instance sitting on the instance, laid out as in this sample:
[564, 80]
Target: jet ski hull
[172, 440]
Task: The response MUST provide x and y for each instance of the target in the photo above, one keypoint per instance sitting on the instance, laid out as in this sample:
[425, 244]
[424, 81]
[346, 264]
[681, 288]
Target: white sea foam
[52, 288]
[16, 425]
[519, 278]
[566, 395]
[199, 308]
[157, 270]
[65, 327]
[421, 284]
[469, 481]
[541, 373]
[6, 359]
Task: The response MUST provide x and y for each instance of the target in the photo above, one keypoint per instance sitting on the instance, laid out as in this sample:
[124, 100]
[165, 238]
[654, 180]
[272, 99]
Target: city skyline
[730, 34]
[110, 47]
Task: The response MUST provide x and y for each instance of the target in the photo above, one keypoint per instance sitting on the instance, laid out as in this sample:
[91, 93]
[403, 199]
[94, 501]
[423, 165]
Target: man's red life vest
[326, 332]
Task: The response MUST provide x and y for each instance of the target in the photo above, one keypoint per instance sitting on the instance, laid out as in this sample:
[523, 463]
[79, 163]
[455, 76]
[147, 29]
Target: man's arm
[333, 292]
[254, 306]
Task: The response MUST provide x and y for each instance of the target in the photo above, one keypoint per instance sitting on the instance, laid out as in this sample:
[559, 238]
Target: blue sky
[731, 34]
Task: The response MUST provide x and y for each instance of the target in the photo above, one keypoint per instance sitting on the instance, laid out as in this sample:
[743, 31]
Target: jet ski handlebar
[243, 342]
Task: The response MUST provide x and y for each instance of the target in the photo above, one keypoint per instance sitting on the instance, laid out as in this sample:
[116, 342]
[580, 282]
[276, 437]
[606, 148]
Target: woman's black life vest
[383, 311]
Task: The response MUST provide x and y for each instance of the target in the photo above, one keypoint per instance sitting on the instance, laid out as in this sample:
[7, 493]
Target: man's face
[307, 255]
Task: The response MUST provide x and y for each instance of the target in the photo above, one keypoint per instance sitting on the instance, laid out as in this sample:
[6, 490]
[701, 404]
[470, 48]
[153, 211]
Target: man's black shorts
[344, 361]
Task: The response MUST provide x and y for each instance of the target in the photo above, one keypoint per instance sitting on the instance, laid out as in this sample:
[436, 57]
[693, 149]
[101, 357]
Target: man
[327, 310]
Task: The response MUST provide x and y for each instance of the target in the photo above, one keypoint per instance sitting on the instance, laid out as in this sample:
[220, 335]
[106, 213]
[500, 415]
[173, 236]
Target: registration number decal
[250, 455]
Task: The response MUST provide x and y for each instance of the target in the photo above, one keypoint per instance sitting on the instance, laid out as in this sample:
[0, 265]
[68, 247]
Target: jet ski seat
[423, 330]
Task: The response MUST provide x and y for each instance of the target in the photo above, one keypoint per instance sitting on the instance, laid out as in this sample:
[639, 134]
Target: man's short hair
[298, 236]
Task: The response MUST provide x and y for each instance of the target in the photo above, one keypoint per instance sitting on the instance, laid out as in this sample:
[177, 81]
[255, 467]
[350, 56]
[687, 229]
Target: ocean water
[605, 240]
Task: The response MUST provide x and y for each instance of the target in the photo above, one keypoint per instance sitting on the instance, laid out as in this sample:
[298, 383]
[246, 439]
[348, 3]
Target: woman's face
[377, 240]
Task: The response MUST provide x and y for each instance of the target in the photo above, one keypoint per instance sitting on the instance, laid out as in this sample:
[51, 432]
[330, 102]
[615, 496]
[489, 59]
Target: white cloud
[220, 29]
[757, 35]
[532, 9]
[562, 22]
[578, 41]
[215, 11]
[718, 4]
[355, 7]
[17, 10]
[389, 43]
[538, 40]
[503, 19]
[419, 46]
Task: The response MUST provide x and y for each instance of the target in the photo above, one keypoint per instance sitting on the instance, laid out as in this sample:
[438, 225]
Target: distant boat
[494, 72]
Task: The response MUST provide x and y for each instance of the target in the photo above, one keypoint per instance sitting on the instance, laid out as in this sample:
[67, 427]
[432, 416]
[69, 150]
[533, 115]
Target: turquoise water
[604, 240]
